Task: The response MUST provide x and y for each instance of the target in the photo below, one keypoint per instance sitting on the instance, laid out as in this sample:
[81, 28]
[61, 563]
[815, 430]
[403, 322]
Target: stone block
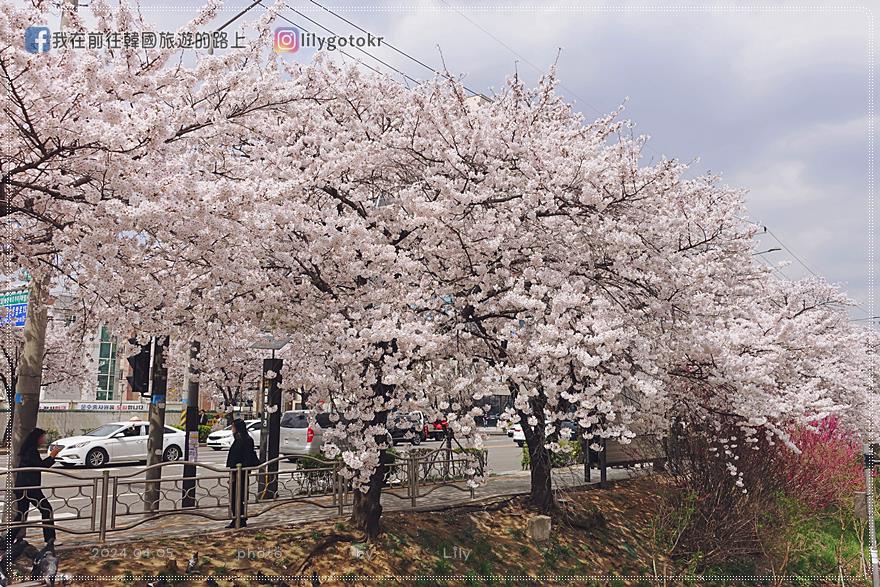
[539, 528]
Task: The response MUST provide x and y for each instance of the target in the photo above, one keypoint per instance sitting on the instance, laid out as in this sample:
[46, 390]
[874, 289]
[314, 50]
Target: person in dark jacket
[28, 486]
[240, 453]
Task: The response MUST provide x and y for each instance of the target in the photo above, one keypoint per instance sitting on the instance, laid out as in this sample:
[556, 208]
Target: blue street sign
[13, 307]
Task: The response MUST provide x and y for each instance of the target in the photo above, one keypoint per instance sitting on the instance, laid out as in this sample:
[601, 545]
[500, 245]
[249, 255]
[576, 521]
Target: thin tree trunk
[30, 369]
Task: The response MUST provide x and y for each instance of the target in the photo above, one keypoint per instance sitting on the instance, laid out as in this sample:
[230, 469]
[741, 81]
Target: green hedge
[569, 455]
[204, 431]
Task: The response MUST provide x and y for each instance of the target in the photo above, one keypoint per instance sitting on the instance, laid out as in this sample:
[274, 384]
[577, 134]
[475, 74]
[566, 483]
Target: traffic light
[139, 380]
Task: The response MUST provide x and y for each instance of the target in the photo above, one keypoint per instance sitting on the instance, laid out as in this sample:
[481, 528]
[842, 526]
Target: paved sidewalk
[188, 525]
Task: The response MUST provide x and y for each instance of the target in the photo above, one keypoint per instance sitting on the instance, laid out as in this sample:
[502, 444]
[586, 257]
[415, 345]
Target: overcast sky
[775, 101]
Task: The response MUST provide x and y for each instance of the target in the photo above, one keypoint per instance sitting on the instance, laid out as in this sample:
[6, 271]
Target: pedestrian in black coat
[28, 486]
[240, 453]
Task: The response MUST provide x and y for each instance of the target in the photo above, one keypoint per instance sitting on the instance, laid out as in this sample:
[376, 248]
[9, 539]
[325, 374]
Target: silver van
[298, 438]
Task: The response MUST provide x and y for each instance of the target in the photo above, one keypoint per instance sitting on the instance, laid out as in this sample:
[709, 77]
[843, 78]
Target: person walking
[28, 487]
[240, 453]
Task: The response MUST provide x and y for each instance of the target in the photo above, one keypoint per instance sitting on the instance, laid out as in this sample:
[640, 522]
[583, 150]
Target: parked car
[407, 427]
[299, 438]
[568, 430]
[517, 434]
[117, 442]
[421, 424]
[438, 429]
[222, 439]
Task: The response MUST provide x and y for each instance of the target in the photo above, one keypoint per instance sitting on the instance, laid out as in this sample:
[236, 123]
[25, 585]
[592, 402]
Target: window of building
[106, 366]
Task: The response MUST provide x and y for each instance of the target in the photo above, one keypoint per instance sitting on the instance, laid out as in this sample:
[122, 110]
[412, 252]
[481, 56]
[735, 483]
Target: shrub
[319, 462]
[730, 492]
[828, 469]
[570, 454]
[204, 431]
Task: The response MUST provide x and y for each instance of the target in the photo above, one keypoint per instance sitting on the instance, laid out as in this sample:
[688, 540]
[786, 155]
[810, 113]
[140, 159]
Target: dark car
[568, 430]
[406, 428]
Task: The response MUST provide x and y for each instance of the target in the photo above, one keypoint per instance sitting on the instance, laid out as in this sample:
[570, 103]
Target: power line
[368, 54]
[790, 252]
[523, 59]
[302, 28]
[389, 45]
[772, 266]
[801, 261]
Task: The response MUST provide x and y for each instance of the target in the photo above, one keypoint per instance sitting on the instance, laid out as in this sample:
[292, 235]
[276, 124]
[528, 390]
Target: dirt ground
[606, 533]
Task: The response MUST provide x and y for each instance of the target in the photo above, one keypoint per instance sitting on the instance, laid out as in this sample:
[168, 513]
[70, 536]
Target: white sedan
[116, 442]
[222, 439]
[517, 433]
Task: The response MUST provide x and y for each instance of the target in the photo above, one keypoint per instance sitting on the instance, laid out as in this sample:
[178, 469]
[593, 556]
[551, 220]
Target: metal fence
[115, 502]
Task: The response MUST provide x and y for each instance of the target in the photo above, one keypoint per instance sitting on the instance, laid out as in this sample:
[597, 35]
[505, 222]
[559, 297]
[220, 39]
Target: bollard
[237, 493]
[105, 487]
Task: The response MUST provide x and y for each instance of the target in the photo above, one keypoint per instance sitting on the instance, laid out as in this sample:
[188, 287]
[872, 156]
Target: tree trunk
[366, 507]
[7, 432]
[227, 402]
[156, 414]
[541, 490]
[10, 401]
[30, 369]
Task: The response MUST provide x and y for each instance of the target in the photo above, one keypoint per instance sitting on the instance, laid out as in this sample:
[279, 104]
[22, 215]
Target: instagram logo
[286, 40]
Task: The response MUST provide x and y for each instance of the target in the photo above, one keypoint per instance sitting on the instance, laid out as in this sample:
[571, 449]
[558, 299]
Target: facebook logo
[37, 39]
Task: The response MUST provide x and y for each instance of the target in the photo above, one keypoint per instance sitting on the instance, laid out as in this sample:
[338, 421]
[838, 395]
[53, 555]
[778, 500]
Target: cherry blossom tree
[230, 370]
[100, 147]
[420, 246]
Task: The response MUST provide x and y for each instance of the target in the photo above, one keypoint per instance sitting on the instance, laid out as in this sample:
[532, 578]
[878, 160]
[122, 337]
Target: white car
[222, 439]
[116, 442]
[518, 437]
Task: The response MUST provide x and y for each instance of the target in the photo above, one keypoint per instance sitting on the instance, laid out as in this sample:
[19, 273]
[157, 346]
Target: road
[72, 491]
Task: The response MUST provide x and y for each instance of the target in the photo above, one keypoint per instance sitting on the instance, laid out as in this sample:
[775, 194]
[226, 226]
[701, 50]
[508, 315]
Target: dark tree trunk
[366, 508]
[7, 433]
[541, 494]
[541, 490]
[227, 402]
[10, 400]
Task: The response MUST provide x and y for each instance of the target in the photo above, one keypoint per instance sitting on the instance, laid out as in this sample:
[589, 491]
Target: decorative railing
[114, 502]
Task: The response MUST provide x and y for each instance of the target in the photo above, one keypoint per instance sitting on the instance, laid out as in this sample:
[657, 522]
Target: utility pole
[191, 451]
[158, 390]
[868, 451]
